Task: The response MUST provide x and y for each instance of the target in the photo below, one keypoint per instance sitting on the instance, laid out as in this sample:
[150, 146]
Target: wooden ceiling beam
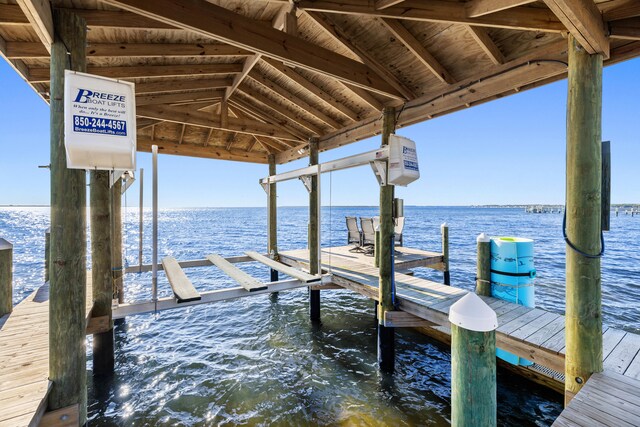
[37, 75]
[628, 29]
[619, 9]
[311, 87]
[249, 63]
[418, 50]
[12, 14]
[383, 4]
[583, 20]
[265, 147]
[209, 20]
[278, 119]
[174, 98]
[477, 8]
[276, 145]
[38, 12]
[366, 97]
[204, 151]
[17, 64]
[485, 42]
[290, 115]
[519, 18]
[290, 97]
[131, 50]
[180, 114]
[341, 37]
[181, 85]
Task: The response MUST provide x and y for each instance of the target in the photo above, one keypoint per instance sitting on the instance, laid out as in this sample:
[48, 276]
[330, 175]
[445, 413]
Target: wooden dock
[24, 360]
[534, 334]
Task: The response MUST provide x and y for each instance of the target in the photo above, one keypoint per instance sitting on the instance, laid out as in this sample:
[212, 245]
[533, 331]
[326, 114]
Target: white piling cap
[443, 225]
[473, 314]
[483, 238]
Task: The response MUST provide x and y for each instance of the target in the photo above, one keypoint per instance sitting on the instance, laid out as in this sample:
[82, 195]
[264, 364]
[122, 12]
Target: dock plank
[623, 354]
[243, 279]
[182, 287]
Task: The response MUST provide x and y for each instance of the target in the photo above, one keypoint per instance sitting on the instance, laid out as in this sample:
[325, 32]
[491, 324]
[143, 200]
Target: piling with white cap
[444, 231]
[473, 363]
[483, 266]
[6, 277]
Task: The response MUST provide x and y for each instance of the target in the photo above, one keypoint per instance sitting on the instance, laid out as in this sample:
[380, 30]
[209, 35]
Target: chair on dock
[368, 235]
[354, 235]
[397, 229]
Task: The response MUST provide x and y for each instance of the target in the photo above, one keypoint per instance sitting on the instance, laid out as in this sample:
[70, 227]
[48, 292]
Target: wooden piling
[483, 266]
[6, 277]
[314, 223]
[473, 363]
[606, 186]
[473, 378]
[444, 231]
[141, 219]
[116, 240]
[101, 277]
[583, 221]
[68, 269]
[47, 253]
[273, 217]
[386, 336]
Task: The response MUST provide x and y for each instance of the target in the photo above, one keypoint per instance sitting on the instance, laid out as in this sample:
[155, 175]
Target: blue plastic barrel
[512, 276]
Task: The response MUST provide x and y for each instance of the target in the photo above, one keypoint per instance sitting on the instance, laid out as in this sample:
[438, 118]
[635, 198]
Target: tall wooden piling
[444, 231]
[386, 336]
[473, 363]
[483, 265]
[141, 219]
[68, 269]
[47, 253]
[314, 223]
[6, 277]
[273, 217]
[583, 219]
[101, 277]
[116, 240]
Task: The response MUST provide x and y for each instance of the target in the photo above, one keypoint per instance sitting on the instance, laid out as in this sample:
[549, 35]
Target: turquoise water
[259, 361]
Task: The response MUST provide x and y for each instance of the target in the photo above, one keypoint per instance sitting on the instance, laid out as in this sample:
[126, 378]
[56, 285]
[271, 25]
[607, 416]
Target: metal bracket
[265, 186]
[306, 180]
[379, 168]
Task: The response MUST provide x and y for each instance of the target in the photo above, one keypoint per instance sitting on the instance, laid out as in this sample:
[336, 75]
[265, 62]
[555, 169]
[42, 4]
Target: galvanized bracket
[265, 186]
[306, 180]
[380, 171]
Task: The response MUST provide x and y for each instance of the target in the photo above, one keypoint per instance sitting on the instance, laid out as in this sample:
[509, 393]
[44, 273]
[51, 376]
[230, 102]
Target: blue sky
[508, 151]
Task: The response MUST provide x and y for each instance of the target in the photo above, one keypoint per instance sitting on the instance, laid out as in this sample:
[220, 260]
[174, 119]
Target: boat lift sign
[99, 122]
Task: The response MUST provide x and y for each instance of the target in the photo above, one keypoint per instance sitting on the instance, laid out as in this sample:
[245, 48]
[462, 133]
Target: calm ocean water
[259, 361]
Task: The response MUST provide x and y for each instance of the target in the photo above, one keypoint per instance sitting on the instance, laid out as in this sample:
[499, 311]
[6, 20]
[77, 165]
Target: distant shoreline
[518, 206]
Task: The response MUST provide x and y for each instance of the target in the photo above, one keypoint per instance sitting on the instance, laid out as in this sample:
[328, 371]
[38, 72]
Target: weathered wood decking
[535, 334]
[24, 359]
[607, 399]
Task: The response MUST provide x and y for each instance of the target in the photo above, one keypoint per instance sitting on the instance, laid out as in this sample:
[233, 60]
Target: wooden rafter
[383, 4]
[179, 114]
[295, 100]
[483, 39]
[311, 87]
[619, 9]
[276, 145]
[273, 117]
[213, 21]
[519, 18]
[38, 12]
[249, 63]
[139, 71]
[290, 115]
[420, 52]
[628, 29]
[365, 96]
[204, 150]
[175, 98]
[477, 8]
[265, 147]
[341, 37]
[583, 20]
[184, 127]
[181, 85]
